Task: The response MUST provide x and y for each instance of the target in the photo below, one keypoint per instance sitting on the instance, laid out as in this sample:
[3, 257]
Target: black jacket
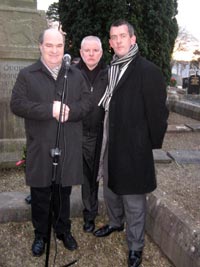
[93, 122]
[32, 99]
[94, 119]
[137, 124]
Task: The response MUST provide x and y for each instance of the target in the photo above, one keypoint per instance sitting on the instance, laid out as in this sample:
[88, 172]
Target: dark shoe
[38, 246]
[28, 199]
[135, 258]
[89, 226]
[68, 241]
[107, 230]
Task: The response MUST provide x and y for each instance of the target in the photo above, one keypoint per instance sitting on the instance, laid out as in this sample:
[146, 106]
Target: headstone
[194, 84]
[20, 25]
[185, 82]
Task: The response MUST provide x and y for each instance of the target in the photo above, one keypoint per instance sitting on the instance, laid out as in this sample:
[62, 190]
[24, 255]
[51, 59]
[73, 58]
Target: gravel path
[180, 185]
[16, 240]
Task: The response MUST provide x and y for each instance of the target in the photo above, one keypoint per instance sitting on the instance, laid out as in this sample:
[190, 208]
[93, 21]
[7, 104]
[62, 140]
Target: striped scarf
[54, 71]
[117, 64]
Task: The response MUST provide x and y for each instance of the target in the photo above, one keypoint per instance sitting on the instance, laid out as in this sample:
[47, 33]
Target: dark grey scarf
[117, 64]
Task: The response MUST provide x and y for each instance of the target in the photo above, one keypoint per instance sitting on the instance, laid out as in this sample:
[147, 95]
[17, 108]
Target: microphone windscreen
[67, 60]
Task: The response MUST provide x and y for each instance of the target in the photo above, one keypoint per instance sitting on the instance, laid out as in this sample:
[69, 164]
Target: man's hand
[64, 112]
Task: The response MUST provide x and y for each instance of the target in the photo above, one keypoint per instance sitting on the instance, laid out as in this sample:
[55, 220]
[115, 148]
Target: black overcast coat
[94, 119]
[93, 122]
[32, 98]
[137, 124]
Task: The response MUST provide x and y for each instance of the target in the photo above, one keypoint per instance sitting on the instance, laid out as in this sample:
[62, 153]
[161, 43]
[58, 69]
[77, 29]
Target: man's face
[52, 48]
[120, 40]
[91, 53]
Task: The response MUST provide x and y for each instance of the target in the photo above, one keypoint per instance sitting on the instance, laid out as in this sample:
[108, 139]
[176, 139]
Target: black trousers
[40, 203]
[90, 186]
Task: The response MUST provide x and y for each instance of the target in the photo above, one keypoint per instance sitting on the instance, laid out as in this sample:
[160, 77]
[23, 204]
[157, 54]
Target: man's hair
[91, 38]
[120, 22]
[41, 36]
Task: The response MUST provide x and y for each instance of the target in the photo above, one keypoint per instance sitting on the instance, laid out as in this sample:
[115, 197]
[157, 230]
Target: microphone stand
[55, 154]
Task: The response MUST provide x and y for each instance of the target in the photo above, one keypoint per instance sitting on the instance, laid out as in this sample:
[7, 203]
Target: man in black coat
[95, 72]
[36, 97]
[135, 123]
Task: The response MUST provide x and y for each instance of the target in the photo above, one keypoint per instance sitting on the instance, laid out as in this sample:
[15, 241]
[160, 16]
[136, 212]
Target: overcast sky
[188, 16]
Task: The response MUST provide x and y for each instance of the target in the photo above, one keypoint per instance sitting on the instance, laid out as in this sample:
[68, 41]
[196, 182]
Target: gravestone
[20, 25]
[185, 82]
[194, 84]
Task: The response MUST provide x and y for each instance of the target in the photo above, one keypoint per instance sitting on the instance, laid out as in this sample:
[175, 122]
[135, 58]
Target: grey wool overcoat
[32, 99]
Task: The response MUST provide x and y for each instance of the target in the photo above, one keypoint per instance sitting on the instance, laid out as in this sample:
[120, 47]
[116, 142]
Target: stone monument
[194, 84]
[20, 26]
[185, 82]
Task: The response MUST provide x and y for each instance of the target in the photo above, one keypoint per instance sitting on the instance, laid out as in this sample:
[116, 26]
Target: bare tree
[184, 40]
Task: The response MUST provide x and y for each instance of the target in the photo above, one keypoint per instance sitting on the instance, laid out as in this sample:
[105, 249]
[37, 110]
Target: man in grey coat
[36, 97]
[135, 123]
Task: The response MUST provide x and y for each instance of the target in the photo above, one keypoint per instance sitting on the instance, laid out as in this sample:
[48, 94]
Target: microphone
[67, 60]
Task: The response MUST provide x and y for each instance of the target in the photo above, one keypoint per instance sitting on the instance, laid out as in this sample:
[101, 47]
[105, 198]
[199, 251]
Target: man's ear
[133, 39]
[110, 43]
[40, 48]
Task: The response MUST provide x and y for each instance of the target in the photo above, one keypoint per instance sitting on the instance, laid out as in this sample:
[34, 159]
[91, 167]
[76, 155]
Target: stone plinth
[19, 31]
[19, 3]
[20, 26]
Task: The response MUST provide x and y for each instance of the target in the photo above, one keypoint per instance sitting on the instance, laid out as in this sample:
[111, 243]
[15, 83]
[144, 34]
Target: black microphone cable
[71, 263]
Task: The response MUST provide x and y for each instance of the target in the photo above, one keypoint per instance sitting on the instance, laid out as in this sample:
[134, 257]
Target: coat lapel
[128, 71]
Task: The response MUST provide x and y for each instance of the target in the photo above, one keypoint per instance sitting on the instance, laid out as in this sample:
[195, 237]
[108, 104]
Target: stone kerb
[174, 231]
[186, 108]
[184, 104]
